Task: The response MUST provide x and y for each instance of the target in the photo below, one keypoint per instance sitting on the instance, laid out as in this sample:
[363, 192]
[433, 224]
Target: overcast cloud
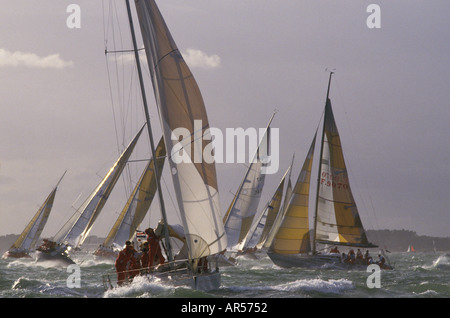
[64, 105]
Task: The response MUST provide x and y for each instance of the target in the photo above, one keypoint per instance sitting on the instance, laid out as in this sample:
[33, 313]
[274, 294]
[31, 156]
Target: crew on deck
[130, 263]
[154, 248]
[360, 259]
[125, 262]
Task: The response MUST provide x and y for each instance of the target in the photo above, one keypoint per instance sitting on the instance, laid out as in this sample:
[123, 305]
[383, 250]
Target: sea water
[416, 275]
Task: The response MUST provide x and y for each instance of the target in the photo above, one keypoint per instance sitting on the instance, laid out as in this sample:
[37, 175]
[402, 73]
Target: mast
[149, 129]
[320, 170]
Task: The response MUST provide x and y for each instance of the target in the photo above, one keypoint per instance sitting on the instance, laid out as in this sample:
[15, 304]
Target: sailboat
[25, 243]
[336, 217]
[76, 229]
[134, 211]
[243, 208]
[410, 249]
[180, 105]
[261, 228]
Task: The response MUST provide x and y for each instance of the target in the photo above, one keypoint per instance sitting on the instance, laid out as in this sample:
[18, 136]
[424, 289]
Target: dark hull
[43, 256]
[315, 261]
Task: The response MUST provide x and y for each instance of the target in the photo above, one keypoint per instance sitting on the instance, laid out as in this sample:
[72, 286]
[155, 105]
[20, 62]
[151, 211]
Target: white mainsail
[181, 106]
[244, 206]
[337, 217]
[75, 231]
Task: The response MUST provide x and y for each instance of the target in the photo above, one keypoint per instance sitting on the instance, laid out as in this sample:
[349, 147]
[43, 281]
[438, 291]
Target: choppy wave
[423, 276]
[140, 287]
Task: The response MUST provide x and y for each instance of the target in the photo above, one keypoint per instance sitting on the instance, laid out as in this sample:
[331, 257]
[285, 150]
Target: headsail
[138, 203]
[274, 209]
[181, 107]
[338, 221]
[261, 228]
[28, 238]
[75, 231]
[292, 236]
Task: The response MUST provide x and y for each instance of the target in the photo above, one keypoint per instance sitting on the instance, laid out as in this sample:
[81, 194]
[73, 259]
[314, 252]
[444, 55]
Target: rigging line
[112, 99]
[113, 21]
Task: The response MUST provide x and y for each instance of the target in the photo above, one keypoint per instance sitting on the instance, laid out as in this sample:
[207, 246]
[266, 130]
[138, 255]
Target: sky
[63, 101]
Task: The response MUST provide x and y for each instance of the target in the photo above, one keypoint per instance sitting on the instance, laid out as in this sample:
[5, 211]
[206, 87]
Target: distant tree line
[399, 240]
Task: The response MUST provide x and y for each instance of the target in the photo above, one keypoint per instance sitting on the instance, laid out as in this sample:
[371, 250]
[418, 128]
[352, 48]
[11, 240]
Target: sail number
[337, 182]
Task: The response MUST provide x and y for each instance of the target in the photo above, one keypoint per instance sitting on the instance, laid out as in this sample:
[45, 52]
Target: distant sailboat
[32, 232]
[77, 228]
[242, 210]
[126, 225]
[410, 249]
[336, 217]
[261, 228]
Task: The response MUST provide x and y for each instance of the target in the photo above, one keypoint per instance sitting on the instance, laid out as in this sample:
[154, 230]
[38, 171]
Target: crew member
[154, 249]
[144, 256]
[125, 257]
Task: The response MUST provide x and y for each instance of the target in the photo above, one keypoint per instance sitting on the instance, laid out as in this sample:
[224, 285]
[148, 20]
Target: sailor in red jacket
[124, 259]
[154, 249]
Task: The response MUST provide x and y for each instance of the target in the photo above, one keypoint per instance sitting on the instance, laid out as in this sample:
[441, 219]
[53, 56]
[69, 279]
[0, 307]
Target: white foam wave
[141, 286]
[443, 261]
[331, 286]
